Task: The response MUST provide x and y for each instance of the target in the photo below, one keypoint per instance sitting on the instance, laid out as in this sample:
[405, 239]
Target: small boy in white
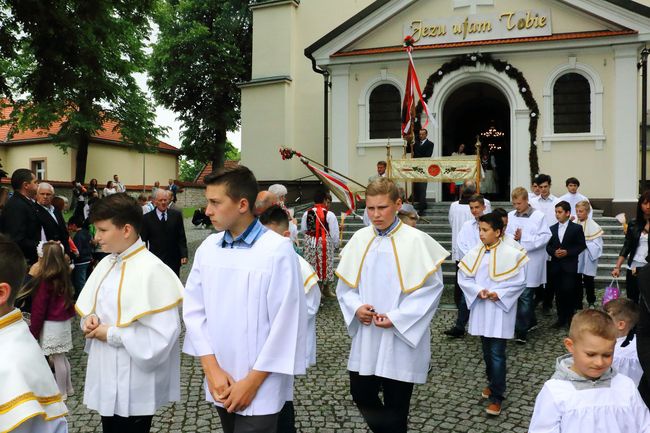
[625, 314]
[130, 318]
[492, 277]
[30, 401]
[585, 394]
[588, 259]
[244, 309]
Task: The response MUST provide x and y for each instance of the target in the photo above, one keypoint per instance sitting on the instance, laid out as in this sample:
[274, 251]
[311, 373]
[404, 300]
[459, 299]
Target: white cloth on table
[247, 308]
[401, 352]
[626, 360]
[535, 234]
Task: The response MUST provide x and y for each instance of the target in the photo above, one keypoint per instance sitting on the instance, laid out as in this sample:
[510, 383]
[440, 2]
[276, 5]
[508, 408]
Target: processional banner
[446, 169]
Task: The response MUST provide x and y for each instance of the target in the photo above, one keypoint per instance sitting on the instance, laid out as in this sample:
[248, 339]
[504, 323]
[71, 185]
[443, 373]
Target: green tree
[73, 61]
[202, 51]
[189, 169]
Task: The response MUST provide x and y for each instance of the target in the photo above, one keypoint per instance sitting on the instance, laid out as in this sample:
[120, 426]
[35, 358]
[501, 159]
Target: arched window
[571, 104]
[385, 112]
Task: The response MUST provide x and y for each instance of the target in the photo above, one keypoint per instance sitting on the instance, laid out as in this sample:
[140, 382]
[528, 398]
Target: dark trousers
[389, 416]
[494, 355]
[287, 419]
[585, 284]
[565, 294]
[526, 318]
[420, 195]
[632, 286]
[79, 276]
[234, 423]
[131, 424]
[459, 299]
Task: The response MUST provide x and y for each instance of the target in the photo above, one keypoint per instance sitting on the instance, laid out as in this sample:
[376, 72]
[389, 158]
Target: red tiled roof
[555, 37]
[208, 169]
[110, 133]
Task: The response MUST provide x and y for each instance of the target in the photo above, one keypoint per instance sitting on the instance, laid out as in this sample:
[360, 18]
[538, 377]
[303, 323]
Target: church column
[340, 118]
[625, 140]
[520, 149]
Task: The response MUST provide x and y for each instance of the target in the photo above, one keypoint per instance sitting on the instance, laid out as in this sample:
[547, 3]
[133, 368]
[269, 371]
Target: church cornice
[271, 3]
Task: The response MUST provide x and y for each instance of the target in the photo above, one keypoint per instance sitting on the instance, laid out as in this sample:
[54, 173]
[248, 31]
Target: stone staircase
[438, 227]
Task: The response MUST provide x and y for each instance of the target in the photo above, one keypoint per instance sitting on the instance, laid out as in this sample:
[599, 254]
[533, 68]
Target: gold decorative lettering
[416, 30]
[521, 23]
[542, 21]
[509, 24]
[457, 29]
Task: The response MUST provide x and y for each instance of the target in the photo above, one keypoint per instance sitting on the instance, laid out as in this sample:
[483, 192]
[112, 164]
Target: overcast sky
[165, 117]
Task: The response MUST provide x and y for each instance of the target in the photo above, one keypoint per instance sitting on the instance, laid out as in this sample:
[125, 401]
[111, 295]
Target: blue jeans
[525, 312]
[79, 276]
[494, 355]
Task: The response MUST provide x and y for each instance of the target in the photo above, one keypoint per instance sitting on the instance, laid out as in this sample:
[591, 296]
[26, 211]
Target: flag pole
[332, 170]
[478, 165]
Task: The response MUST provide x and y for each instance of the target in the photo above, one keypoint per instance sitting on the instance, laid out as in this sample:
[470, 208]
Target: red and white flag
[336, 185]
[412, 92]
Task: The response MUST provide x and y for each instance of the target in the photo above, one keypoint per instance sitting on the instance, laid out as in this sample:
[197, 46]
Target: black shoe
[520, 339]
[455, 332]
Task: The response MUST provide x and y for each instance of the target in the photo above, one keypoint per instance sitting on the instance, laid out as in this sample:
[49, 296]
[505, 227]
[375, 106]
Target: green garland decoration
[473, 60]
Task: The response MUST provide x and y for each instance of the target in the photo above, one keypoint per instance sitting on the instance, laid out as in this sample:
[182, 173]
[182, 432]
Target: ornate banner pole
[478, 164]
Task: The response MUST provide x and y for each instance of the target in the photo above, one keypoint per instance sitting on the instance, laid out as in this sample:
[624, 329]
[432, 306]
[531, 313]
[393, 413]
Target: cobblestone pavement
[448, 402]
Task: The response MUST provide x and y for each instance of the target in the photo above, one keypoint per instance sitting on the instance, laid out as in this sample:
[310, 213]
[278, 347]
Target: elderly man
[53, 226]
[264, 200]
[164, 233]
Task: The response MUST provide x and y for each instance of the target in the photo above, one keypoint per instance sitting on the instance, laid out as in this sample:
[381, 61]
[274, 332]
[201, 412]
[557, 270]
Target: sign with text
[504, 25]
[445, 169]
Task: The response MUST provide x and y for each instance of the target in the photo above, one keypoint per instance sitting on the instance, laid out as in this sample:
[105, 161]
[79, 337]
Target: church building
[549, 86]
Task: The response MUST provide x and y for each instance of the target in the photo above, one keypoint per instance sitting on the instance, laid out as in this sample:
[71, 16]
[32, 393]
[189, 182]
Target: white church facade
[551, 86]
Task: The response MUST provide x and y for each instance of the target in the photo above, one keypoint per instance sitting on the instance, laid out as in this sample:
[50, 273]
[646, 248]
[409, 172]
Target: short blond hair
[592, 322]
[382, 186]
[519, 192]
[584, 204]
[623, 309]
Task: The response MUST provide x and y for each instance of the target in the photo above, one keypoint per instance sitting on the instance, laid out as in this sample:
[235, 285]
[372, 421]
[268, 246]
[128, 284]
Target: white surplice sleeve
[538, 238]
[465, 238]
[415, 310]
[284, 349]
[350, 301]
[509, 290]
[150, 339]
[197, 336]
[312, 300]
[547, 417]
[469, 287]
[595, 248]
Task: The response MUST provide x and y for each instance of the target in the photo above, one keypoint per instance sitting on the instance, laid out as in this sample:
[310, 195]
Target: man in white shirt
[381, 171]
[467, 238]
[119, 186]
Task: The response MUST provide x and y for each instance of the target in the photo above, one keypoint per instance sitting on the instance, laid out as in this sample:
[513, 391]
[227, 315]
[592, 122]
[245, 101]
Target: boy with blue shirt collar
[244, 309]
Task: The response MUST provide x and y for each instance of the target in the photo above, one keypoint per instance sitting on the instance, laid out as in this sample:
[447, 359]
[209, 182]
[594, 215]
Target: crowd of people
[250, 302]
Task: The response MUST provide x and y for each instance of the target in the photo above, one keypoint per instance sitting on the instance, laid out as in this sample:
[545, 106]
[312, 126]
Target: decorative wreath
[474, 59]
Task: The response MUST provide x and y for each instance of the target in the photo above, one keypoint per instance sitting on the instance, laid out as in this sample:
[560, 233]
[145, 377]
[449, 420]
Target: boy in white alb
[530, 228]
[129, 315]
[467, 238]
[506, 238]
[492, 277]
[277, 220]
[244, 309]
[588, 260]
[573, 197]
[389, 287]
[585, 394]
[625, 314]
[30, 400]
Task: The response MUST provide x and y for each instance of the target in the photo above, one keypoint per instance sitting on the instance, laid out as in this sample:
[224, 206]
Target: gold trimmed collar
[131, 251]
[391, 232]
[493, 246]
[11, 318]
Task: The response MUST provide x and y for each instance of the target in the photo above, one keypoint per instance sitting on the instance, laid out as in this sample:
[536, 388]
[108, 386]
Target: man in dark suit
[566, 244]
[164, 233]
[19, 219]
[51, 219]
[423, 148]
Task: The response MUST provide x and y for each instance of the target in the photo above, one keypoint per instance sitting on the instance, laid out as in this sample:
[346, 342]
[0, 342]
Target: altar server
[492, 277]
[625, 314]
[588, 259]
[506, 238]
[545, 202]
[244, 309]
[390, 283]
[573, 197]
[585, 394]
[530, 228]
[29, 396]
[130, 319]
